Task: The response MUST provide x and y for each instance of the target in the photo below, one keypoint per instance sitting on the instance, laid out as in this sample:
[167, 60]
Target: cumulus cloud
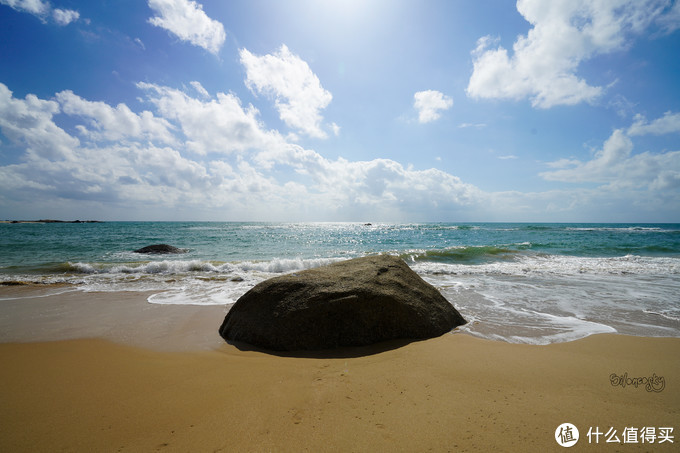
[210, 157]
[130, 171]
[543, 64]
[296, 90]
[127, 159]
[187, 20]
[617, 166]
[606, 165]
[29, 122]
[429, 104]
[220, 125]
[381, 188]
[114, 123]
[43, 10]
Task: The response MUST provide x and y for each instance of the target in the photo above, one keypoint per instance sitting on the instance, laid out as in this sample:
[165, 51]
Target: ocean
[533, 283]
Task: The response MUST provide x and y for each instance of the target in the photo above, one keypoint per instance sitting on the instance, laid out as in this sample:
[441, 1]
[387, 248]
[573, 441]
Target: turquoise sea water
[535, 283]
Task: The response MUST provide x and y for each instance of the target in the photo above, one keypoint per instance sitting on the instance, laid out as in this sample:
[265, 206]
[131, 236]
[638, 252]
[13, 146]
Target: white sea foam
[284, 265]
[501, 319]
[242, 276]
[569, 328]
[670, 315]
[631, 229]
[559, 265]
[224, 293]
[185, 282]
[526, 298]
[48, 293]
[544, 298]
[188, 266]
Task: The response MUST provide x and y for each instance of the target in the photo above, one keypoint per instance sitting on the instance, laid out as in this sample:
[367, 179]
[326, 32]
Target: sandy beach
[111, 372]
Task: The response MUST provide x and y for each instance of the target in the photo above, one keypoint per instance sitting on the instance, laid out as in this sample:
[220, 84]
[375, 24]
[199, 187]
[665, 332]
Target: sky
[340, 110]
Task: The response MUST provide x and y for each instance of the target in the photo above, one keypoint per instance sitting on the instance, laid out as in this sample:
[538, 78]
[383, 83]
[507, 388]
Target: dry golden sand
[452, 393]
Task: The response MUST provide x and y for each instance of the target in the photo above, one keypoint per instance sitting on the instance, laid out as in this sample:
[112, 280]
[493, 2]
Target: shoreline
[43, 313]
[134, 376]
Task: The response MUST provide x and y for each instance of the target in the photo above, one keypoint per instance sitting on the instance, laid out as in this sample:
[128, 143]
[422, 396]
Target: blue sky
[340, 110]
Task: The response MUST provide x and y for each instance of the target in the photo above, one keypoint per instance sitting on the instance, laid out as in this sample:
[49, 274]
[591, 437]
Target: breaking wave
[170, 267]
[466, 255]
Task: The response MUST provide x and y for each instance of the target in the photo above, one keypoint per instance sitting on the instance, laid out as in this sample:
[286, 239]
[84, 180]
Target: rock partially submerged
[350, 303]
[159, 249]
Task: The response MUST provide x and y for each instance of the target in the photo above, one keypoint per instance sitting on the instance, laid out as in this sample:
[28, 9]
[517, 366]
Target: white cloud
[429, 104]
[29, 123]
[617, 166]
[199, 89]
[42, 10]
[622, 106]
[297, 91]
[115, 123]
[218, 125]
[604, 167]
[626, 182]
[58, 167]
[671, 20]
[475, 125]
[670, 122]
[65, 16]
[379, 188]
[35, 7]
[187, 20]
[258, 174]
[544, 63]
[145, 165]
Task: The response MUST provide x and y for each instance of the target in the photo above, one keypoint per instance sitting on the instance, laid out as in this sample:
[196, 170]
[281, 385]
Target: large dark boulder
[159, 249]
[350, 303]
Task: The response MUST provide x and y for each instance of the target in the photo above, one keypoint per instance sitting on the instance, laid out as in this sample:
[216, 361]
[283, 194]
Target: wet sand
[110, 372]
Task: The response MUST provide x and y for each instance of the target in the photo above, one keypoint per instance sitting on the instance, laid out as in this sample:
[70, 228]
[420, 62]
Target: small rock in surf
[159, 249]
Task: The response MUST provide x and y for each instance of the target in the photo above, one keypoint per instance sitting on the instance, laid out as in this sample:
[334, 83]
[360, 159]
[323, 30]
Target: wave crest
[466, 254]
[275, 266]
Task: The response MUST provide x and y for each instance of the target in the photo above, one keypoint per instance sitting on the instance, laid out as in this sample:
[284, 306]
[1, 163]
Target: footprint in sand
[297, 416]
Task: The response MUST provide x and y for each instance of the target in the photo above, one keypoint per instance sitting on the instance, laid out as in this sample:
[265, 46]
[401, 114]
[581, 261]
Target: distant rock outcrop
[50, 221]
[350, 303]
[159, 249]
